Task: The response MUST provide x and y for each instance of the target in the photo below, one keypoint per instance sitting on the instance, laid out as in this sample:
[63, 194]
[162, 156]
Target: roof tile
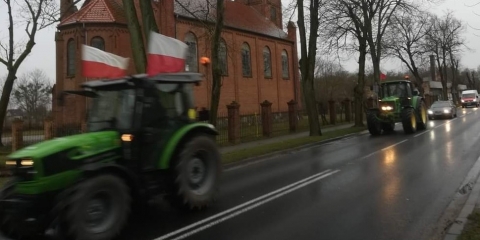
[100, 11]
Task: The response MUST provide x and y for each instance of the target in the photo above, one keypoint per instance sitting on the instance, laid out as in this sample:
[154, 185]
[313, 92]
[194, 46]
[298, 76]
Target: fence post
[233, 122]
[292, 115]
[48, 129]
[17, 134]
[348, 110]
[332, 112]
[266, 118]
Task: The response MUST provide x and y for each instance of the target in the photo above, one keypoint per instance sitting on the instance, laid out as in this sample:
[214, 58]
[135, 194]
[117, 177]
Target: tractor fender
[179, 136]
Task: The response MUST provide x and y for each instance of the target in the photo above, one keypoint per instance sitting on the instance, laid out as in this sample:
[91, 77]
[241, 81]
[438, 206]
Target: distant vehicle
[470, 98]
[441, 109]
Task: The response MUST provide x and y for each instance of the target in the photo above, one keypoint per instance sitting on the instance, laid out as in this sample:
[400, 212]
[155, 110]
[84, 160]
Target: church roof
[237, 15]
[97, 11]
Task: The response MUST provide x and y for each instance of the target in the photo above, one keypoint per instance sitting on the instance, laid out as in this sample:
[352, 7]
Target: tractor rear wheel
[97, 209]
[373, 124]
[197, 171]
[423, 116]
[409, 120]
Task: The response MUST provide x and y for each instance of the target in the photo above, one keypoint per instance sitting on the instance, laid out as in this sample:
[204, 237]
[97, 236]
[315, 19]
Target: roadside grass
[239, 155]
[471, 231]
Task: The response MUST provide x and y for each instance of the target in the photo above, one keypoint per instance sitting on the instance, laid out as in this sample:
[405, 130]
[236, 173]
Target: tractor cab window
[176, 98]
[396, 89]
[112, 110]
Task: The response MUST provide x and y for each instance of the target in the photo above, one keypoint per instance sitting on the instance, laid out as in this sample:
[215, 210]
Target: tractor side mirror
[416, 93]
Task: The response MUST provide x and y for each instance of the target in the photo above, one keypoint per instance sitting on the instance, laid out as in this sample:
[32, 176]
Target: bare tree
[443, 39]
[32, 95]
[345, 30]
[307, 60]
[405, 40]
[36, 14]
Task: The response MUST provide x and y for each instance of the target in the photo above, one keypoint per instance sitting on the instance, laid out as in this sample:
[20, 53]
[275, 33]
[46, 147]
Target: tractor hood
[87, 142]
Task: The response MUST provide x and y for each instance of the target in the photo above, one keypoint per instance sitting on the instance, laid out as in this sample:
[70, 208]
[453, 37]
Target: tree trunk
[359, 88]
[5, 99]
[307, 63]
[216, 69]
[149, 23]
[136, 39]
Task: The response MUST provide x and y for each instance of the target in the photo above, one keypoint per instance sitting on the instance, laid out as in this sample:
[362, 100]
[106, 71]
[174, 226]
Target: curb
[472, 182]
[251, 160]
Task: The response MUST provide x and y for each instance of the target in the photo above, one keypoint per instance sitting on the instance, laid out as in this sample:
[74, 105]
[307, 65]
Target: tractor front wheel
[409, 120]
[373, 124]
[197, 173]
[97, 209]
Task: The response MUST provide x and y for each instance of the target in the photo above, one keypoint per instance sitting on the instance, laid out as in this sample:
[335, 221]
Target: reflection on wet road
[394, 186]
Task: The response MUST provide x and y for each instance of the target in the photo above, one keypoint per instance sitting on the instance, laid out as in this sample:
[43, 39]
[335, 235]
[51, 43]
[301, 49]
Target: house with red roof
[259, 57]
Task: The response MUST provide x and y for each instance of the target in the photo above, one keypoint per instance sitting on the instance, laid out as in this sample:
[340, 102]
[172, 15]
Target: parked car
[441, 109]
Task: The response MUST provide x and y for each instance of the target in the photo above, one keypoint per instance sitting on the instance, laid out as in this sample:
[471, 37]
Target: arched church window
[267, 63]
[71, 50]
[222, 55]
[98, 42]
[246, 61]
[285, 73]
[192, 57]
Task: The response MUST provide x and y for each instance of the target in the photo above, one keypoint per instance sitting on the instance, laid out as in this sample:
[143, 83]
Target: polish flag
[165, 54]
[383, 76]
[100, 64]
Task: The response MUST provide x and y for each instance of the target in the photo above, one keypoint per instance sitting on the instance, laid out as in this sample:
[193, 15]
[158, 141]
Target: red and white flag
[165, 54]
[100, 64]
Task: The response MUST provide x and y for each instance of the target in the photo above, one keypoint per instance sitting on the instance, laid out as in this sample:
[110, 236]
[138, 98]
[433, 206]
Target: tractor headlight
[446, 111]
[430, 112]
[387, 108]
[462, 100]
[22, 168]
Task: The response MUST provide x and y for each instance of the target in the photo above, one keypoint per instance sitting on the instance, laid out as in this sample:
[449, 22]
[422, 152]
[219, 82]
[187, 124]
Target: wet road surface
[393, 186]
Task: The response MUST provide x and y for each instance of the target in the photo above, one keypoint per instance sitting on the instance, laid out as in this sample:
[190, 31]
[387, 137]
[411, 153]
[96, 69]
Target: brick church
[259, 58]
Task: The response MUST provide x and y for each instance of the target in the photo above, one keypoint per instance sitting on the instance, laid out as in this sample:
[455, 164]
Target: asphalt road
[394, 186]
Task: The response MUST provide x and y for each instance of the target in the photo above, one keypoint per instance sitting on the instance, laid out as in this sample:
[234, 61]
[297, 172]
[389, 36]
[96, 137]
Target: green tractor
[143, 140]
[398, 102]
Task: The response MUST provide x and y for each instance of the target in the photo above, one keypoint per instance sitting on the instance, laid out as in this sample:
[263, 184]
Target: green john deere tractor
[398, 102]
[143, 140]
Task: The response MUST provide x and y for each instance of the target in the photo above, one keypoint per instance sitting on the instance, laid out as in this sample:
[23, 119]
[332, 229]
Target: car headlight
[446, 111]
[430, 112]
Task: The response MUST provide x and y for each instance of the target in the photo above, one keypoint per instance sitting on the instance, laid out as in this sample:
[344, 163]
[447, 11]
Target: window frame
[189, 38]
[285, 65]
[246, 58]
[71, 68]
[267, 60]
[98, 38]
[223, 57]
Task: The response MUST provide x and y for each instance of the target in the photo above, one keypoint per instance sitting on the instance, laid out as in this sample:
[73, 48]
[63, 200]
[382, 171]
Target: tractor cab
[144, 111]
[397, 89]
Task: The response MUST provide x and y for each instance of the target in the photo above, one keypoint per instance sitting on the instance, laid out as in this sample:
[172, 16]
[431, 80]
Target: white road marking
[427, 131]
[245, 206]
[383, 149]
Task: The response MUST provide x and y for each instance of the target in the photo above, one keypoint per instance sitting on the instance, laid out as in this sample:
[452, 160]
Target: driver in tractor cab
[399, 90]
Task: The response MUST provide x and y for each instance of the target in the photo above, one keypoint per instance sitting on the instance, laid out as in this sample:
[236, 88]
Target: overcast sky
[43, 54]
